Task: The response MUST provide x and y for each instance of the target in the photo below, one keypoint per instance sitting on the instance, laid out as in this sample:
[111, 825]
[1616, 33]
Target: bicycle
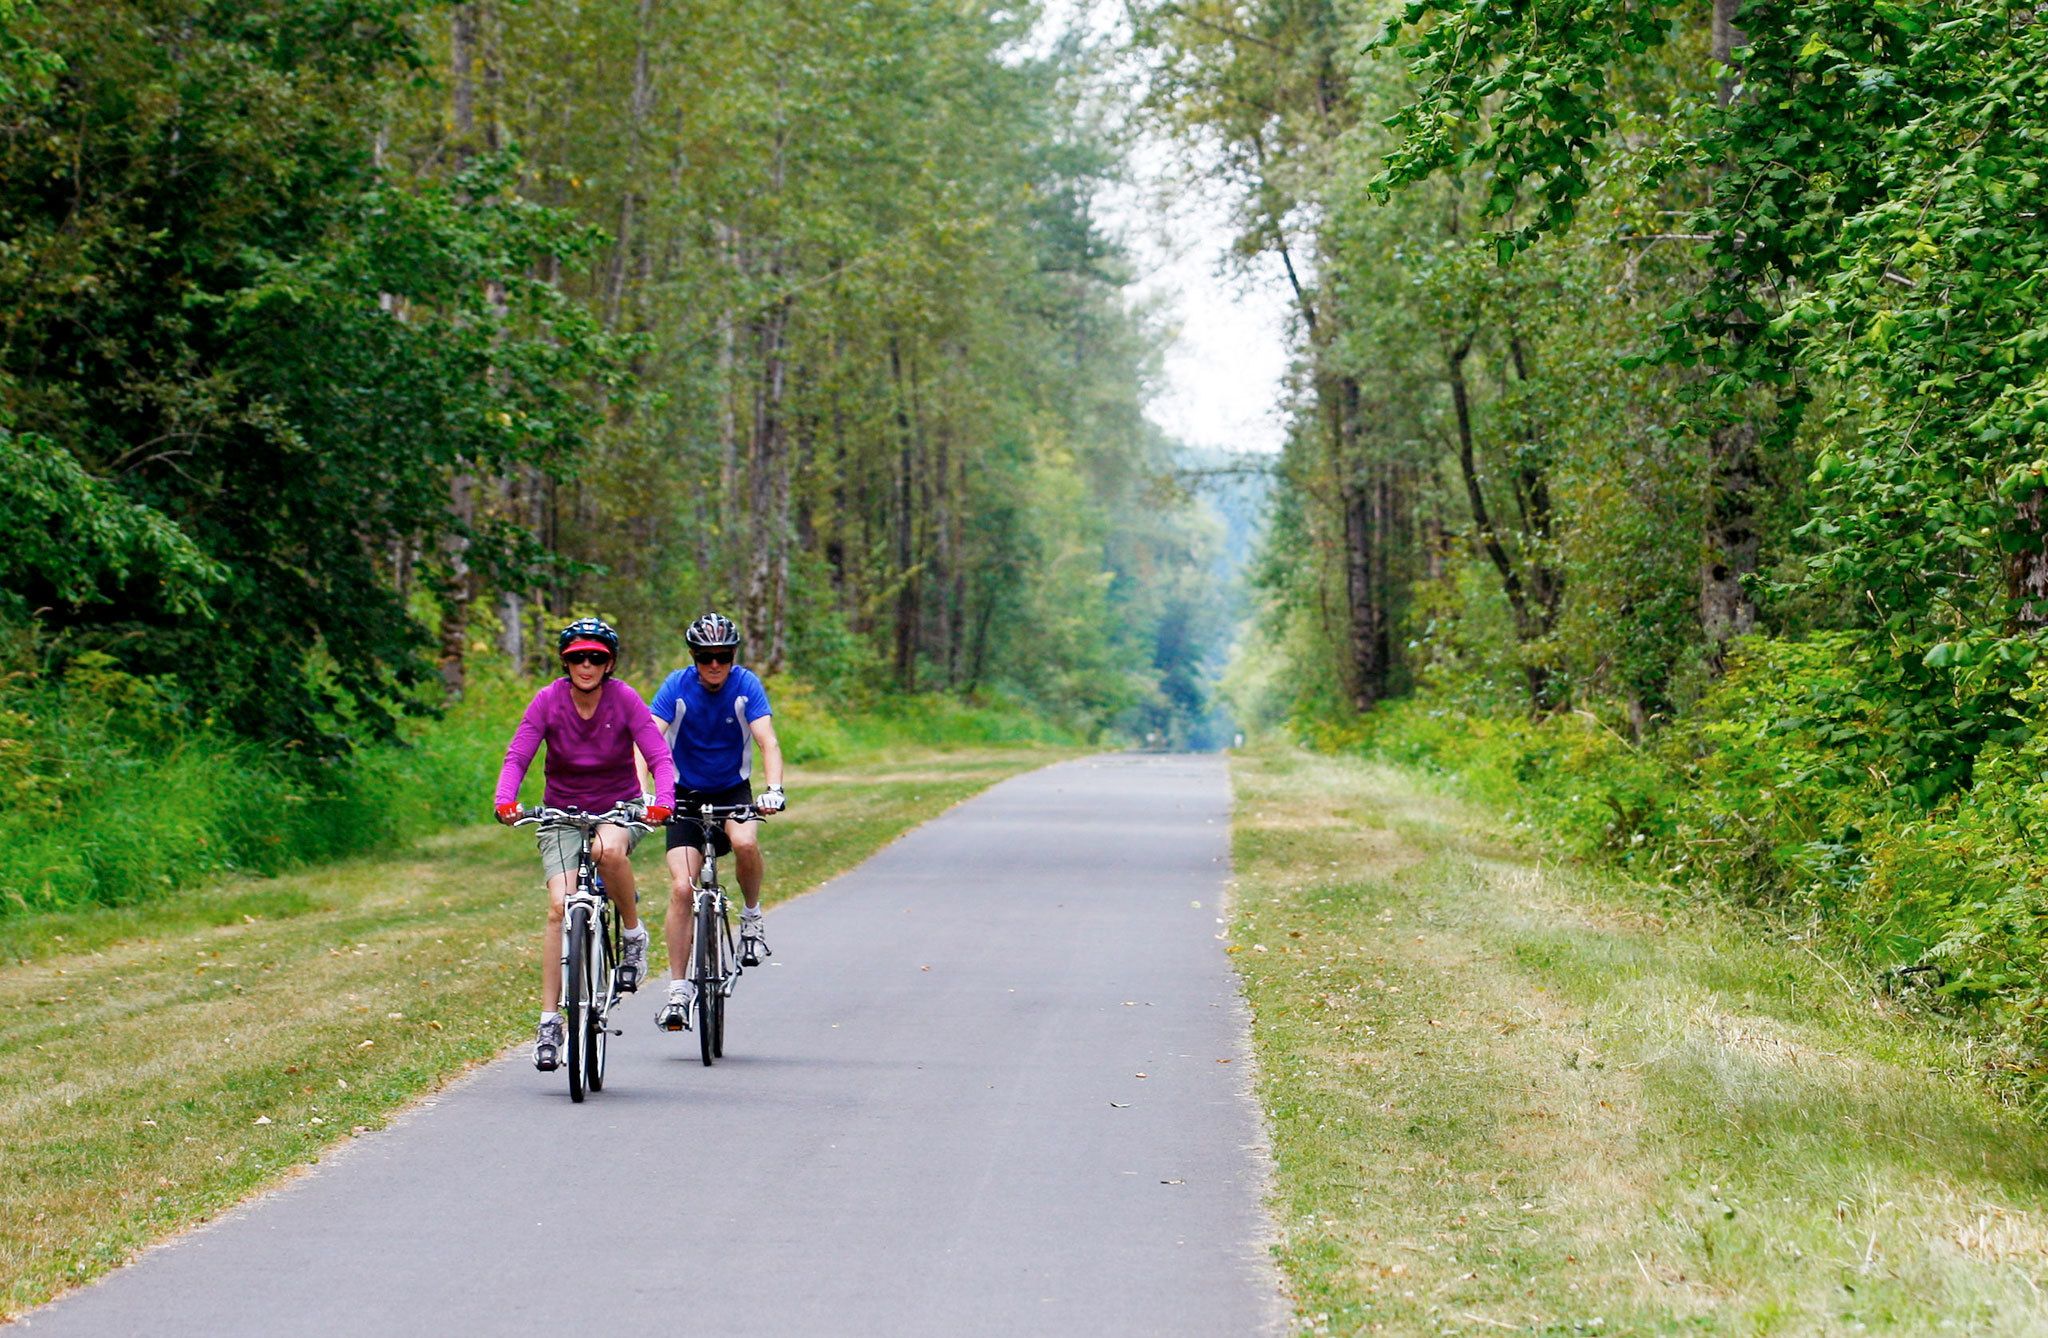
[715, 967]
[591, 947]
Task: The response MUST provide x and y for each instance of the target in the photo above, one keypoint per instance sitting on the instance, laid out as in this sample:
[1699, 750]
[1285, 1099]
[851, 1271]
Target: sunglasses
[712, 656]
[596, 657]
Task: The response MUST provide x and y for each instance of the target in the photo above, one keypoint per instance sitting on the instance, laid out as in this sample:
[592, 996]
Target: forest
[349, 349]
[1668, 436]
[1665, 453]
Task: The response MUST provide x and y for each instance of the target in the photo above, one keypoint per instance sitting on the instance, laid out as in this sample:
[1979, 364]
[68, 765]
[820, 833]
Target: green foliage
[232, 317]
[361, 332]
[78, 537]
[26, 70]
[814, 732]
[116, 789]
[1685, 321]
[897, 429]
[1757, 797]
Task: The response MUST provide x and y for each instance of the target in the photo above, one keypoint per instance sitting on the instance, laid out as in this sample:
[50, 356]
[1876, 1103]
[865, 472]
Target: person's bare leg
[746, 857]
[615, 866]
[551, 943]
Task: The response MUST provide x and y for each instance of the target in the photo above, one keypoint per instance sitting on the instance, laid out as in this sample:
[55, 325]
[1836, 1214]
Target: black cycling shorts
[686, 829]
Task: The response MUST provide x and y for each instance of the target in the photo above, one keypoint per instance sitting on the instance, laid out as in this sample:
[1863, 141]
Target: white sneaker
[753, 939]
[675, 1014]
[634, 968]
[547, 1044]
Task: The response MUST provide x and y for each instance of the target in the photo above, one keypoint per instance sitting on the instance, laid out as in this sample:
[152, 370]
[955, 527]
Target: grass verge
[161, 1062]
[1511, 1096]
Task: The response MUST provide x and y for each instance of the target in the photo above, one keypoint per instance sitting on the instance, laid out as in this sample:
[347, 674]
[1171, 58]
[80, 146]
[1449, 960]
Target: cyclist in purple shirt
[714, 714]
[596, 729]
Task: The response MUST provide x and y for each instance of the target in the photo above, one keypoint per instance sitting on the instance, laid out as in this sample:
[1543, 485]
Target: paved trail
[977, 1092]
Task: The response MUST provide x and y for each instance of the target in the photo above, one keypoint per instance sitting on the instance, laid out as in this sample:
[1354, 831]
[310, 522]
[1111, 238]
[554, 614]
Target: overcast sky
[1224, 369]
[1229, 354]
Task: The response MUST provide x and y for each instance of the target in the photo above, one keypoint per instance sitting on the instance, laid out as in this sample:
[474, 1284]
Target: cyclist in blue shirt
[713, 714]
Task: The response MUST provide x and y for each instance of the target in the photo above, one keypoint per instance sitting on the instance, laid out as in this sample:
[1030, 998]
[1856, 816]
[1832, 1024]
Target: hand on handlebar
[772, 800]
[657, 814]
[507, 812]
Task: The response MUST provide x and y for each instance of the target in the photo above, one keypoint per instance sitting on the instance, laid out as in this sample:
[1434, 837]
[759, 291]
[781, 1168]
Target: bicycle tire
[575, 1006]
[725, 969]
[709, 981]
[602, 959]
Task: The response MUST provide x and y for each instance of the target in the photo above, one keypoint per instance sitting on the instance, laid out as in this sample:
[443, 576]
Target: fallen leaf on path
[1223, 1061]
[1119, 1105]
[1141, 1075]
[1173, 1182]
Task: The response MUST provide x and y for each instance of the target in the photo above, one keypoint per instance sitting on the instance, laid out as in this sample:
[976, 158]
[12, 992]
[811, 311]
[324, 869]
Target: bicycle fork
[598, 994]
[724, 951]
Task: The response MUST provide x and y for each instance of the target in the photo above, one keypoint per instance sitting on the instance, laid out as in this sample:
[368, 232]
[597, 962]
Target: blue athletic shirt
[708, 732]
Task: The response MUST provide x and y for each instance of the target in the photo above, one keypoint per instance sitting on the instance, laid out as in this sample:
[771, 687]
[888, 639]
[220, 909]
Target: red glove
[507, 812]
[658, 814]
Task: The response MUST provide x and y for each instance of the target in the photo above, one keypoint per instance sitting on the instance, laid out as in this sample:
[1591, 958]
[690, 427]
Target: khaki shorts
[559, 847]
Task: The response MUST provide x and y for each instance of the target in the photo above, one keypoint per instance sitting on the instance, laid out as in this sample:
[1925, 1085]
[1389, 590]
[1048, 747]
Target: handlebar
[729, 812]
[635, 815]
[623, 815]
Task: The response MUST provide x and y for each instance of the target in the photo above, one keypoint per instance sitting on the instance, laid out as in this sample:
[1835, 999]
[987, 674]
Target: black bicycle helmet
[713, 631]
[593, 632]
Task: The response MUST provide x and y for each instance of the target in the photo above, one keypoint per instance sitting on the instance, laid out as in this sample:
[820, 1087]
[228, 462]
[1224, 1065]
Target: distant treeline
[1670, 427]
[342, 341]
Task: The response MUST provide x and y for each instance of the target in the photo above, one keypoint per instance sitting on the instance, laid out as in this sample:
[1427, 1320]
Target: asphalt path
[994, 1081]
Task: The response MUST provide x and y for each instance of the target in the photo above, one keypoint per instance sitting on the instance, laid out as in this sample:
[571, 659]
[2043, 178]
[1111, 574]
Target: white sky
[1224, 370]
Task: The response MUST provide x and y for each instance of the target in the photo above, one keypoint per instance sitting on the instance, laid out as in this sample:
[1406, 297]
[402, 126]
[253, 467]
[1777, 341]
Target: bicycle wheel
[602, 958]
[710, 979]
[725, 970]
[576, 996]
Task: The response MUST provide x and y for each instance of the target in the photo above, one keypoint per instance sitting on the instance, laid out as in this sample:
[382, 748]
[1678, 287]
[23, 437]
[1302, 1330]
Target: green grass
[160, 1062]
[1508, 1095]
[116, 794]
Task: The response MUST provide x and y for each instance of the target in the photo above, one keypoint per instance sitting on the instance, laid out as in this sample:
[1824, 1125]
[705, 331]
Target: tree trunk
[2026, 570]
[1734, 465]
[456, 589]
[767, 488]
[906, 573]
[457, 592]
[1365, 541]
[1528, 625]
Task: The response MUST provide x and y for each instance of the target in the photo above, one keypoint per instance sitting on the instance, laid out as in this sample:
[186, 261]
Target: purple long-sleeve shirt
[590, 762]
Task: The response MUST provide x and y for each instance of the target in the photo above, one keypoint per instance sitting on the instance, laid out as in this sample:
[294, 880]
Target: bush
[118, 789]
[812, 730]
[1761, 797]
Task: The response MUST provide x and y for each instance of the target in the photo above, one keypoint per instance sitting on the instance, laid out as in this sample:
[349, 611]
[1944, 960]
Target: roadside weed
[1511, 1096]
